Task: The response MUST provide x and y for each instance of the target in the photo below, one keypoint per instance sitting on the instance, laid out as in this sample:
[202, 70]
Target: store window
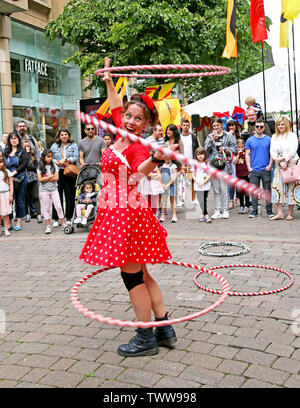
[45, 91]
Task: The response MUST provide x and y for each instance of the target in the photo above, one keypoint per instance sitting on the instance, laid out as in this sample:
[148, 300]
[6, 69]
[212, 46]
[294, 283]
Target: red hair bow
[148, 101]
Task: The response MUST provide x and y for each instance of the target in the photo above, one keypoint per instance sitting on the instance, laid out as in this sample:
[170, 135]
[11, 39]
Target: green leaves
[136, 32]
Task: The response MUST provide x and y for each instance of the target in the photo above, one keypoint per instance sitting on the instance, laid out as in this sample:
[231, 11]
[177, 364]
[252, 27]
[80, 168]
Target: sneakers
[78, 220]
[253, 214]
[216, 215]
[48, 229]
[84, 221]
[246, 210]
[270, 214]
[225, 215]
[27, 218]
[63, 226]
[55, 224]
[241, 210]
[39, 219]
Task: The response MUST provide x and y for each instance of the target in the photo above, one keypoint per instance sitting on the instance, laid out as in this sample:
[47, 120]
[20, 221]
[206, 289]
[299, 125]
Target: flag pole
[264, 83]
[295, 77]
[290, 84]
[238, 80]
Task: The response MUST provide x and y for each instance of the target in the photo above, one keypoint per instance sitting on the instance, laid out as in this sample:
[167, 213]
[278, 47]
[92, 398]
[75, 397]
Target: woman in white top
[283, 150]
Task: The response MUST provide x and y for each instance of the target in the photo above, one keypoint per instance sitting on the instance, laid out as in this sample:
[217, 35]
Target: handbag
[291, 174]
[71, 170]
[219, 161]
[17, 183]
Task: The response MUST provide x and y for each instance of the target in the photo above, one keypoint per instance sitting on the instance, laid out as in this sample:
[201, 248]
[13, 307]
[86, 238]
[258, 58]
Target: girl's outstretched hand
[107, 62]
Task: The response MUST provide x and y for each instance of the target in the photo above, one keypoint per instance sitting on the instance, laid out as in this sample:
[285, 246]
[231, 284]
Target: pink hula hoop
[125, 323]
[209, 70]
[269, 292]
[237, 183]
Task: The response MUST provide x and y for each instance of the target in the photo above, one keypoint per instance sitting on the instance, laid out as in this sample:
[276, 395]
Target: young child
[108, 140]
[242, 173]
[169, 172]
[151, 188]
[86, 201]
[6, 195]
[251, 103]
[48, 177]
[202, 185]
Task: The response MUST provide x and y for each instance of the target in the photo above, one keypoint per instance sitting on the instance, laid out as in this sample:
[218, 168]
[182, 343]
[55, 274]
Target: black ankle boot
[143, 344]
[165, 335]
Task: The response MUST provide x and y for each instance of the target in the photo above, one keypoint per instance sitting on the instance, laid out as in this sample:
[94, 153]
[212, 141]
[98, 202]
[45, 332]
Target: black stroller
[88, 173]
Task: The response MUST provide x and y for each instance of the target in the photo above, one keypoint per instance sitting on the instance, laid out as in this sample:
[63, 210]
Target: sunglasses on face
[90, 128]
[259, 127]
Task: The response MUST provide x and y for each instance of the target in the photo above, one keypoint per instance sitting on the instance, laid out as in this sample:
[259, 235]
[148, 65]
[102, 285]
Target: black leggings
[202, 198]
[33, 197]
[244, 198]
[65, 185]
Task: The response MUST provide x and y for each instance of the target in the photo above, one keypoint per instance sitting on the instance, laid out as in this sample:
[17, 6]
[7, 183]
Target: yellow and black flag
[284, 26]
[231, 40]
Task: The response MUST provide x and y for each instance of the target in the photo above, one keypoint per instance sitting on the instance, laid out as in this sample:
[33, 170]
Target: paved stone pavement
[246, 342]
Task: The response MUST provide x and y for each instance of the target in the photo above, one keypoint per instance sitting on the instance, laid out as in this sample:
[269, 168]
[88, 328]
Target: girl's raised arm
[114, 99]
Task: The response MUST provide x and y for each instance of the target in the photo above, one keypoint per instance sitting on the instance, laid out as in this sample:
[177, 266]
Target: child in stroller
[86, 201]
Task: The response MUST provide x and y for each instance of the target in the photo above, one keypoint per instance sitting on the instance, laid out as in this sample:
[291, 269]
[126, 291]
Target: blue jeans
[255, 178]
[20, 199]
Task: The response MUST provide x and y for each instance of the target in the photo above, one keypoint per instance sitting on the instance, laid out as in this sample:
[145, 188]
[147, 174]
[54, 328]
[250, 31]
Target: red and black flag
[231, 40]
[257, 21]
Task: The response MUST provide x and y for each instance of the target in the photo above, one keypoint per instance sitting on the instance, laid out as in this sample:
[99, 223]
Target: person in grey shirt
[91, 147]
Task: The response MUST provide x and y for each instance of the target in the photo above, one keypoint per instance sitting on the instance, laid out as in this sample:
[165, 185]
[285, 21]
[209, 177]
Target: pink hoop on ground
[270, 292]
[125, 323]
[209, 70]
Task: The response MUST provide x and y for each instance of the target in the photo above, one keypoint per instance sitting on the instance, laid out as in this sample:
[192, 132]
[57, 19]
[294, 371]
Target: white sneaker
[48, 229]
[195, 202]
[216, 215]
[78, 220]
[225, 214]
[63, 226]
[84, 221]
[68, 222]
[55, 224]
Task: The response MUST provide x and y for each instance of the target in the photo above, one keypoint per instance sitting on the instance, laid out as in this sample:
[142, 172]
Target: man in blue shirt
[259, 163]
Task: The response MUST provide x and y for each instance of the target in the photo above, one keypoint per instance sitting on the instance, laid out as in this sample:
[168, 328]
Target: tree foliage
[136, 32]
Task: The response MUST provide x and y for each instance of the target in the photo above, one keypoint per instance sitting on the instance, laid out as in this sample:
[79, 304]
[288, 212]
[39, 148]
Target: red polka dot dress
[125, 228]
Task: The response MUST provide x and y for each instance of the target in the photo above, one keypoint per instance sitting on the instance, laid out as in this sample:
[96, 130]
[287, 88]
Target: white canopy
[277, 94]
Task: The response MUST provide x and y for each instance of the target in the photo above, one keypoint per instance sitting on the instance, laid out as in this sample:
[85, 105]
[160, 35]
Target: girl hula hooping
[126, 233]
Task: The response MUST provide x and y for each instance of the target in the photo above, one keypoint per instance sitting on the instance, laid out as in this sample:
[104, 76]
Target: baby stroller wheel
[68, 229]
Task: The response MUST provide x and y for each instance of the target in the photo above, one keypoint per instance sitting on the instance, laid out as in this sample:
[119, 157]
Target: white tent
[277, 94]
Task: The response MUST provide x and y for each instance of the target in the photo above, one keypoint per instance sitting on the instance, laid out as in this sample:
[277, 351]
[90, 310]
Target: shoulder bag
[71, 170]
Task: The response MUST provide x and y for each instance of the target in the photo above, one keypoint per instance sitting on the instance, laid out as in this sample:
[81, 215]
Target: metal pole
[264, 84]
[290, 85]
[295, 78]
[238, 79]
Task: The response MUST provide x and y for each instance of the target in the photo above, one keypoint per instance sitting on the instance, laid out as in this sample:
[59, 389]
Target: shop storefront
[44, 90]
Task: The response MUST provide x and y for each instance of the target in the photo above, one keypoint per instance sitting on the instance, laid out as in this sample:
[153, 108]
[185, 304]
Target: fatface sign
[35, 66]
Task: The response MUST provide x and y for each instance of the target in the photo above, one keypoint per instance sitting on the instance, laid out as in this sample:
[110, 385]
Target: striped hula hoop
[126, 323]
[206, 70]
[244, 249]
[269, 292]
[239, 184]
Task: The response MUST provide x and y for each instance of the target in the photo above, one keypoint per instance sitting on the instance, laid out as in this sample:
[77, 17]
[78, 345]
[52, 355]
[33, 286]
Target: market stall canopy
[277, 94]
